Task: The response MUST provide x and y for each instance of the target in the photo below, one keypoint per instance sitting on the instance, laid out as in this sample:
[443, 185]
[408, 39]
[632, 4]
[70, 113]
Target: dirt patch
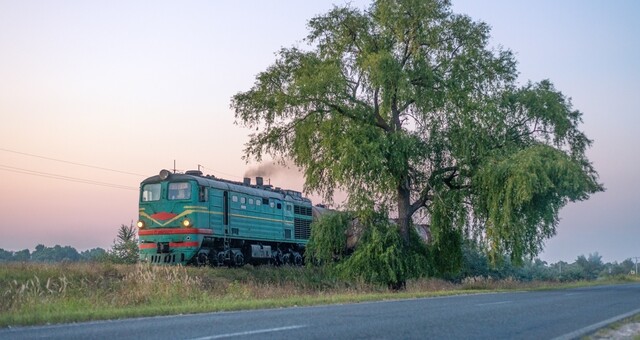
[626, 331]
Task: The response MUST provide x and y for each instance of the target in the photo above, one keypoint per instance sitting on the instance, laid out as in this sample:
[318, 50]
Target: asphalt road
[561, 314]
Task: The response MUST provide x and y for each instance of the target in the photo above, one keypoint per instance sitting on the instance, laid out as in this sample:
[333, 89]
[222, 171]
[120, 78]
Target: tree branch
[379, 122]
[425, 195]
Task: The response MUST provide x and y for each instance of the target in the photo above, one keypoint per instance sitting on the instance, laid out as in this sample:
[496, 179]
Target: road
[563, 314]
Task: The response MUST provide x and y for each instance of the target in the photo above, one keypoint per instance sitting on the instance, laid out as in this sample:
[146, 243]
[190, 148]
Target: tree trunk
[404, 208]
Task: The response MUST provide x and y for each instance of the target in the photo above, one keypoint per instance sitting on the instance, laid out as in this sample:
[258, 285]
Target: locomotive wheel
[277, 258]
[202, 259]
[239, 260]
[286, 259]
[221, 258]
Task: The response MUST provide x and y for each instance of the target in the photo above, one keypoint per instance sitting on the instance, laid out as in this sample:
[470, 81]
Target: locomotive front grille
[167, 258]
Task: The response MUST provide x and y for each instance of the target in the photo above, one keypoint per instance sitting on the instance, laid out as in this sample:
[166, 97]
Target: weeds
[38, 293]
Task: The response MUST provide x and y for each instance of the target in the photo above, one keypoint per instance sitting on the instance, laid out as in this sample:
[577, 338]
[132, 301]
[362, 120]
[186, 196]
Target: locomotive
[191, 218]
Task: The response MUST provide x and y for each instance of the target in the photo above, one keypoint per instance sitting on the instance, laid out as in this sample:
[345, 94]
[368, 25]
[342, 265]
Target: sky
[95, 96]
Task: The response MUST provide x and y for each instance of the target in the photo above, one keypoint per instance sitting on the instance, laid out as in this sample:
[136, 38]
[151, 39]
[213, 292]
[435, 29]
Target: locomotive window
[271, 204]
[279, 206]
[203, 194]
[234, 198]
[289, 208]
[179, 191]
[151, 192]
[265, 201]
[242, 200]
[251, 201]
[258, 202]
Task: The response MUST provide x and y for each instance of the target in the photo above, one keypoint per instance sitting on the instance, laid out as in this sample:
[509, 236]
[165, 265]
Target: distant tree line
[124, 250]
[56, 253]
[477, 264]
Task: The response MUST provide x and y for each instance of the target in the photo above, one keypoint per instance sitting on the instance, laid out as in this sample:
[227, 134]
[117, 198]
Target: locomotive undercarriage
[236, 253]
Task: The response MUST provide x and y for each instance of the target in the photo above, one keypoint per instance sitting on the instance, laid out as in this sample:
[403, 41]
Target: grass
[32, 293]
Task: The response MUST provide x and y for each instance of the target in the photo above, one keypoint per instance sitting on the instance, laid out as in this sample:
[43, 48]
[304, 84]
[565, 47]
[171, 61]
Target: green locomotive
[194, 219]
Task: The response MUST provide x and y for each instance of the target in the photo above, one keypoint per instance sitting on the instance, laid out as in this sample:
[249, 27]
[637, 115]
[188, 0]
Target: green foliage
[328, 241]
[125, 247]
[95, 254]
[591, 266]
[54, 254]
[624, 268]
[406, 105]
[5, 255]
[448, 218]
[520, 196]
[381, 257]
[22, 255]
[446, 254]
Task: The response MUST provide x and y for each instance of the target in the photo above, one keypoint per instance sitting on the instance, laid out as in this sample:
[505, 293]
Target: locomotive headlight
[164, 174]
[186, 223]
[140, 224]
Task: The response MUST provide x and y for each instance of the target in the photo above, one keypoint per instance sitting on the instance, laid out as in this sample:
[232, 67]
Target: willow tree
[405, 105]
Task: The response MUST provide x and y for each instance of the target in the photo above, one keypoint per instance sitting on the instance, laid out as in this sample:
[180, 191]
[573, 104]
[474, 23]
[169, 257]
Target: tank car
[195, 219]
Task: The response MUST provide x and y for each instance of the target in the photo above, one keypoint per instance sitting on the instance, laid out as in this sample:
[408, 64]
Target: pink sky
[132, 86]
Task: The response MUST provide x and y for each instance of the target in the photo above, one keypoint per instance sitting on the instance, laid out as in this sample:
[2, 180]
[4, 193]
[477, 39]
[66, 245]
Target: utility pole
[637, 257]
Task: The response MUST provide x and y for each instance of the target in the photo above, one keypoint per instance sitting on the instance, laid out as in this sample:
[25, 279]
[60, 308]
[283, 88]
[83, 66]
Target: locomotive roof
[266, 191]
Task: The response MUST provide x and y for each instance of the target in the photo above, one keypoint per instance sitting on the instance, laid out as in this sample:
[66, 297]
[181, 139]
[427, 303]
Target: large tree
[405, 105]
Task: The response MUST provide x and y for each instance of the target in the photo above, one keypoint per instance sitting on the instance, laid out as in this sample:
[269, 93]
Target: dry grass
[32, 293]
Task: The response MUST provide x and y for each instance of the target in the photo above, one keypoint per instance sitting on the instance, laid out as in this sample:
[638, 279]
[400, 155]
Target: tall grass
[36, 293]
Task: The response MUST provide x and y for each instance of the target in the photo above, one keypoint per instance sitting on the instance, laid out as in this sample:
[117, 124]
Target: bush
[328, 242]
[380, 257]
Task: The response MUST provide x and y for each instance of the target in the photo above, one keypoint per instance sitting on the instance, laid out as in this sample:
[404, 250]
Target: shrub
[381, 257]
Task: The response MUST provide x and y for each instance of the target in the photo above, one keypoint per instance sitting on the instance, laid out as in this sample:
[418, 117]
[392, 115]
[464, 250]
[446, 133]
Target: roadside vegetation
[59, 284]
[43, 293]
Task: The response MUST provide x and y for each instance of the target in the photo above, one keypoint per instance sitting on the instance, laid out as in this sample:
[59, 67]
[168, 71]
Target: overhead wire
[76, 179]
[219, 172]
[64, 178]
[73, 163]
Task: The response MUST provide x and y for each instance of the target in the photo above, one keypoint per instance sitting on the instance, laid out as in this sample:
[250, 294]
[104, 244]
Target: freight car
[195, 219]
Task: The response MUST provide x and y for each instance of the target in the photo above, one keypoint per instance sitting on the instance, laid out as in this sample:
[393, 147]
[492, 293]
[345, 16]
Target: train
[192, 218]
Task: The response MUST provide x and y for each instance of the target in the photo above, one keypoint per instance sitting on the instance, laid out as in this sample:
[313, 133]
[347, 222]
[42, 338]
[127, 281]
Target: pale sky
[132, 86]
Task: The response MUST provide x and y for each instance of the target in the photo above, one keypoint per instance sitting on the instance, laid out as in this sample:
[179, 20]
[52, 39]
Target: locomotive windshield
[151, 192]
[179, 191]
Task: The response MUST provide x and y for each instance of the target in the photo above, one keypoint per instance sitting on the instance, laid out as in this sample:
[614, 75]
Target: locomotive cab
[173, 220]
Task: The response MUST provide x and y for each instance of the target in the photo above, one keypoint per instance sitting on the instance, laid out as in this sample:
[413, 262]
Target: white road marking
[572, 294]
[589, 329]
[493, 303]
[258, 331]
